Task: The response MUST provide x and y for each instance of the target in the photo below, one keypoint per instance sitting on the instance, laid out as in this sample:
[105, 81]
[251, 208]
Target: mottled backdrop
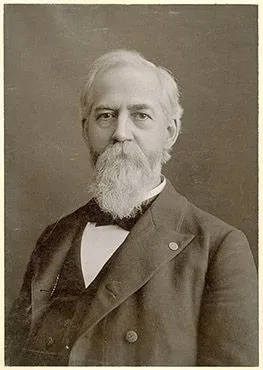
[213, 52]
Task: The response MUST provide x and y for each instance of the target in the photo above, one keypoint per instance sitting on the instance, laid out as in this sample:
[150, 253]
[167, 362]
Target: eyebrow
[139, 107]
[130, 107]
[103, 107]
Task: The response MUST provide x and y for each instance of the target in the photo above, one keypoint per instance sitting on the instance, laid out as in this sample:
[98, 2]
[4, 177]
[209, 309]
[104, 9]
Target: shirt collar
[157, 190]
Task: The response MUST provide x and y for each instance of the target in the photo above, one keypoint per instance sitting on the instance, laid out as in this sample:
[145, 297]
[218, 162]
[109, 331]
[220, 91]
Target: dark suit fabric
[196, 305]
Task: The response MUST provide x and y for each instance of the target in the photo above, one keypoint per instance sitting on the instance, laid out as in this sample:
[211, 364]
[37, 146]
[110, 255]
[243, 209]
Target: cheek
[153, 140]
[151, 143]
[98, 138]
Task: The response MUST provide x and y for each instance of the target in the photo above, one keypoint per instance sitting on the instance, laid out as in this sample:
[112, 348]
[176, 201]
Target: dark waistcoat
[55, 334]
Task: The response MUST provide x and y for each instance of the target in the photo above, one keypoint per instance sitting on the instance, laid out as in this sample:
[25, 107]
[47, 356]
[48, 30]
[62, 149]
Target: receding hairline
[139, 71]
[129, 58]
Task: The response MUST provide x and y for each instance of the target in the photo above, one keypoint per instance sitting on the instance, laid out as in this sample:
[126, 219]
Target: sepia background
[212, 50]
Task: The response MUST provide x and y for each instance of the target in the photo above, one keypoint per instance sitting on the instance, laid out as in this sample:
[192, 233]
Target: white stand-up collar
[157, 190]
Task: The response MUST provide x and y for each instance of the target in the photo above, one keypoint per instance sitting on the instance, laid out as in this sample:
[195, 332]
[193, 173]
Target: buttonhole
[112, 293]
[28, 309]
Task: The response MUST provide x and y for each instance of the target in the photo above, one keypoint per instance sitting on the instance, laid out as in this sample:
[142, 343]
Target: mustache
[123, 150]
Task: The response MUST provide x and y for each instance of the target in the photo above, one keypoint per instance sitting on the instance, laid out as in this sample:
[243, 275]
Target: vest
[55, 334]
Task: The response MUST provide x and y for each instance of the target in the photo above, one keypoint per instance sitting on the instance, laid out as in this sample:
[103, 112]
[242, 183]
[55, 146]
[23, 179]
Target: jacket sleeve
[228, 326]
[17, 325]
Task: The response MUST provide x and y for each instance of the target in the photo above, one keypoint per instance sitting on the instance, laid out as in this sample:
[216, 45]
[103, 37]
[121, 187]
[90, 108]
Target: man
[139, 275]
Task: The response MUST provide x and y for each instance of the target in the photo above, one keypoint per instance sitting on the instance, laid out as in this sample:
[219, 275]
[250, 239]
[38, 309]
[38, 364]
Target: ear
[172, 133]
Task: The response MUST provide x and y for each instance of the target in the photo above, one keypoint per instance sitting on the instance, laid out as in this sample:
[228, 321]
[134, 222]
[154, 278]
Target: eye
[106, 116]
[140, 116]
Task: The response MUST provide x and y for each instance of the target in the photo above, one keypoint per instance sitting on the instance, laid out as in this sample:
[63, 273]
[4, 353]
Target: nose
[123, 131]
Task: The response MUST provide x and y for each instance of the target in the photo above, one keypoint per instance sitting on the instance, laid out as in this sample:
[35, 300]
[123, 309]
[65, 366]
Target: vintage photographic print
[131, 184]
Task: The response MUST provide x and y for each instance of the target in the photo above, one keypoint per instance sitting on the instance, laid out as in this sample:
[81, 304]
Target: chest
[163, 313]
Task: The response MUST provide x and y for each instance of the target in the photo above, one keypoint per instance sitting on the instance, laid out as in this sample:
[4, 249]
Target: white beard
[123, 176]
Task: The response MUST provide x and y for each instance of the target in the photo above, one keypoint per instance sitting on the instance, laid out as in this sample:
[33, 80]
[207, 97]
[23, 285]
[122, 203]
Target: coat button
[173, 246]
[49, 342]
[131, 336]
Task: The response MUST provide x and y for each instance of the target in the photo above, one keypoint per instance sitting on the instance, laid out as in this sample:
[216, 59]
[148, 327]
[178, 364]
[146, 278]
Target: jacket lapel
[55, 249]
[143, 253]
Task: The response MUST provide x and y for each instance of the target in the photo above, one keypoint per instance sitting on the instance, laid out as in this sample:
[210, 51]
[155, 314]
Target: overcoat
[180, 291]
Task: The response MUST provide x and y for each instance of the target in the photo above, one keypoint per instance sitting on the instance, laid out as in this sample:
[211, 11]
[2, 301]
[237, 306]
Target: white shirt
[98, 243]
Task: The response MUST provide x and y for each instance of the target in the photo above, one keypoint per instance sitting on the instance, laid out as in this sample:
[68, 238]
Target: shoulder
[215, 234]
[204, 222]
[175, 211]
[221, 249]
[61, 229]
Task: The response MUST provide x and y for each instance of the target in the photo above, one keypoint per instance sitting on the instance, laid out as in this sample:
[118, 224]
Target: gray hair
[170, 93]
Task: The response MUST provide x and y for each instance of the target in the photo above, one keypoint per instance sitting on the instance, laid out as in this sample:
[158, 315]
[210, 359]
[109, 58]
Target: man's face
[126, 132]
[127, 107]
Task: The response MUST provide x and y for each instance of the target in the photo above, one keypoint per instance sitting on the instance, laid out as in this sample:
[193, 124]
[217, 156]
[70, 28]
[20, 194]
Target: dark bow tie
[102, 218]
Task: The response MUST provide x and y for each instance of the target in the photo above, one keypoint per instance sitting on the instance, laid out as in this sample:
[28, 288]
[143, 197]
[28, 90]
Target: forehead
[127, 84]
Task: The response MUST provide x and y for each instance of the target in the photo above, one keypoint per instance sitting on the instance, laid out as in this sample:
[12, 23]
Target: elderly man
[138, 275]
